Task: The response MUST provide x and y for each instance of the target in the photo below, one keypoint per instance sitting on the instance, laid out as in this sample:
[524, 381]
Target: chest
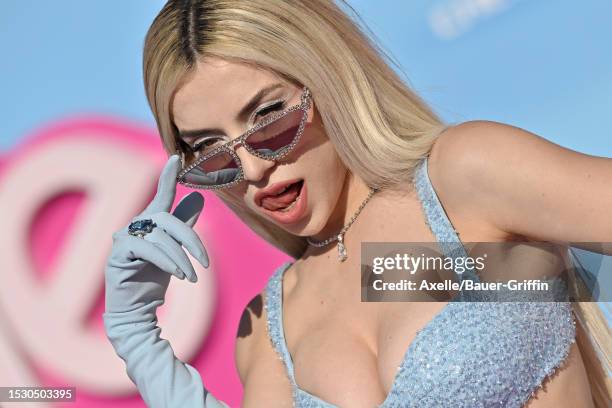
[345, 351]
[430, 350]
[349, 352]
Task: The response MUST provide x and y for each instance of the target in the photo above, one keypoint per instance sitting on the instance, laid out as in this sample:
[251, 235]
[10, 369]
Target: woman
[291, 116]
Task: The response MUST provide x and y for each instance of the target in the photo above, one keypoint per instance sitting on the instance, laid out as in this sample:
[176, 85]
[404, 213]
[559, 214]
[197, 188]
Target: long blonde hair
[378, 125]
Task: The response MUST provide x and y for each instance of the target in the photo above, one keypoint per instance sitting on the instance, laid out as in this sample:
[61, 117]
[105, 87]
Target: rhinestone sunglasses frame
[229, 147]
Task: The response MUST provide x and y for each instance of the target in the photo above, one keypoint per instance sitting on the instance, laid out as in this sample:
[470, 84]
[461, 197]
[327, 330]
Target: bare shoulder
[478, 162]
[261, 371]
[485, 151]
[478, 148]
[521, 184]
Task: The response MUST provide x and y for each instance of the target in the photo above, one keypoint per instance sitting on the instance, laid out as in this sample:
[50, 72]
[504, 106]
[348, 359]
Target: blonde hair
[378, 125]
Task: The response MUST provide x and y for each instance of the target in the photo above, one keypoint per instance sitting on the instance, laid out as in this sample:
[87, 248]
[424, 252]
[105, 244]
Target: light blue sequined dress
[471, 354]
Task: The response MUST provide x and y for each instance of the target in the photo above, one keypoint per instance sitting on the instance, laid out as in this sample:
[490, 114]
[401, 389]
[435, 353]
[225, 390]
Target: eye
[206, 143]
[266, 111]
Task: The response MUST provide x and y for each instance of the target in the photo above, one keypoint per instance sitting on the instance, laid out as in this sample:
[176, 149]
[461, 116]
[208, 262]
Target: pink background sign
[63, 192]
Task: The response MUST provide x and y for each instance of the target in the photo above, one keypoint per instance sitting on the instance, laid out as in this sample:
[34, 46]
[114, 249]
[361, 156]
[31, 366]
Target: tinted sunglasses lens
[273, 138]
[215, 171]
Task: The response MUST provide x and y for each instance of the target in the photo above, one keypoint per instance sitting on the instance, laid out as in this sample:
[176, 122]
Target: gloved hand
[137, 274]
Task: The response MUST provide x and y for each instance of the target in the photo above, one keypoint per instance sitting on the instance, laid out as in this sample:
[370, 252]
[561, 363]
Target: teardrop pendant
[342, 255]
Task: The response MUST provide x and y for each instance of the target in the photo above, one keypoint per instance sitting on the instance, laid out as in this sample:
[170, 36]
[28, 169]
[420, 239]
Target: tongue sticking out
[274, 203]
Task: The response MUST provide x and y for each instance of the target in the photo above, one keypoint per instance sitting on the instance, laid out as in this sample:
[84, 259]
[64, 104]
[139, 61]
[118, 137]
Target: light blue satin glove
[137, 274]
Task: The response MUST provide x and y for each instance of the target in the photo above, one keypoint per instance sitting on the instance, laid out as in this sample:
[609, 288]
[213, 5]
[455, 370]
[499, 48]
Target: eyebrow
[252, 104]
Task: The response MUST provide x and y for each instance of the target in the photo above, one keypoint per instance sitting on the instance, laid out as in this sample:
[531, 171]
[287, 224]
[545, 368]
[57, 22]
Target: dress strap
[436, 218]
[274, 312]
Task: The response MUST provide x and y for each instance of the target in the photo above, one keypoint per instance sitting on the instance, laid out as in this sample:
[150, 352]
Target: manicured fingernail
[203, 261]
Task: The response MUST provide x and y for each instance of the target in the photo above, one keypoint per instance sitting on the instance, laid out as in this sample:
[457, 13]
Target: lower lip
[295, 213]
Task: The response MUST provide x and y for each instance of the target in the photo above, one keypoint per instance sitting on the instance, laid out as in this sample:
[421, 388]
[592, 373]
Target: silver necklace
[342, 255]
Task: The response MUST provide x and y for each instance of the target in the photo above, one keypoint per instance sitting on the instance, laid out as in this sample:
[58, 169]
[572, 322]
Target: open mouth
[285, 200]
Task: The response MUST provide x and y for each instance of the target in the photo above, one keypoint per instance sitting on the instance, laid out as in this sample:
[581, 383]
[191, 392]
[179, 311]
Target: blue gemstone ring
[140, 228]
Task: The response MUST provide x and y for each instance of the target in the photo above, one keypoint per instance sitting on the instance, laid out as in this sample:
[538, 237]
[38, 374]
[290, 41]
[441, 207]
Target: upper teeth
[283, 190]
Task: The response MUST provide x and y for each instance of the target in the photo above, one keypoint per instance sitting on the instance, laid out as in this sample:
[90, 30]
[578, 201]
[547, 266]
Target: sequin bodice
[471, 354]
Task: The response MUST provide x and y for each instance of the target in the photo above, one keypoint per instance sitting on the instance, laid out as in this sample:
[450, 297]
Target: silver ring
[140, 228]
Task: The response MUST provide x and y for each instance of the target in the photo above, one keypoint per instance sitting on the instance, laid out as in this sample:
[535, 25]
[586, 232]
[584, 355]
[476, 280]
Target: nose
[253, 167]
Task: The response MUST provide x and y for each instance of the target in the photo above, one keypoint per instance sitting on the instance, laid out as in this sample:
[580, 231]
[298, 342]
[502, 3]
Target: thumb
[166, 187]
[189, 208]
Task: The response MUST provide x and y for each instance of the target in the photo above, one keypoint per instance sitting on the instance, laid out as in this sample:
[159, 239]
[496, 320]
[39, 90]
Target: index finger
[166, 187]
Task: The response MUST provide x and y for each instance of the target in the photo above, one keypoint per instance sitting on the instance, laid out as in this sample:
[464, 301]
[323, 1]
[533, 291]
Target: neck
[354, 191]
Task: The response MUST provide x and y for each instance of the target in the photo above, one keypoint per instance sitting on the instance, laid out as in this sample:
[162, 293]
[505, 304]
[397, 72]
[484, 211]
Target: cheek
[323, 160]
[326, 174]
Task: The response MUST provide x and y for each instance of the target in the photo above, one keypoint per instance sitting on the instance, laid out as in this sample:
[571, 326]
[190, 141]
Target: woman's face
[212, 100]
